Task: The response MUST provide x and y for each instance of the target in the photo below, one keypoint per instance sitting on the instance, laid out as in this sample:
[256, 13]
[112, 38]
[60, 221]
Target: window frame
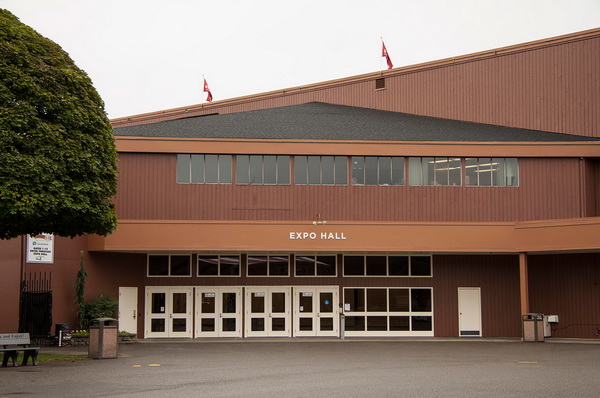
[268, 274]
[169, 266]
[188, 158]
[279, 176]
[340, 162]
[316, 274]
[219, 257]
[387, 274]
[355, 180]
[506, 161]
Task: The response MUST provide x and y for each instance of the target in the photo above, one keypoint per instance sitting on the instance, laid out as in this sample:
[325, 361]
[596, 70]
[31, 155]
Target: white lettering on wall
[320, 236]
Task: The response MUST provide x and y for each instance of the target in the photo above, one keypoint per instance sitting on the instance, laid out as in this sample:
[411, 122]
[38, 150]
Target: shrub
[102, 307]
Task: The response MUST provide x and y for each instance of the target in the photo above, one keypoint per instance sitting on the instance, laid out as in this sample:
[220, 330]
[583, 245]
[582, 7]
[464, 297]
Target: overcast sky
[149, 55]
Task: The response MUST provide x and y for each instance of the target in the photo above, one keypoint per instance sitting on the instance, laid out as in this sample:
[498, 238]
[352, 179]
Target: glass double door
[218, 312]
[267, 311]
[168, 312]
[316, 311]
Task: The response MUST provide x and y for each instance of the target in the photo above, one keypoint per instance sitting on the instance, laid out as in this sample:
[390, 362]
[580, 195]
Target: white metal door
[469, 311]
[218, 312]
[316, 311]
[267, 311]
[168, 312]
[128, 311]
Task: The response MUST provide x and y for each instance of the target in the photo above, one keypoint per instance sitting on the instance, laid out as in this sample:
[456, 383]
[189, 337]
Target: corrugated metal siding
[549, 189]
[567, 285]
[553, 88]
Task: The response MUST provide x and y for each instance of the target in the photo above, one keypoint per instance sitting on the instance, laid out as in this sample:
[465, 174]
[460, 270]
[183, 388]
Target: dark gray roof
[320, 121]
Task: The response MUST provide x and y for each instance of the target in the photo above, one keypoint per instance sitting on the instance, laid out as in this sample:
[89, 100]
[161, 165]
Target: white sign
[317, 236]
[40, 249]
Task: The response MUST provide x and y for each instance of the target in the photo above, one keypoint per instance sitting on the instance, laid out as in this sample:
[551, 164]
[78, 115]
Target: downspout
[582, 188]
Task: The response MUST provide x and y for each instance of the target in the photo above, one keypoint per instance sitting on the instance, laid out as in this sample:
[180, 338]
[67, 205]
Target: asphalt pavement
[318, 368]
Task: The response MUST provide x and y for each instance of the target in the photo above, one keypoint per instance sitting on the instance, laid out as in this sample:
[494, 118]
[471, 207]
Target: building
[442, 199]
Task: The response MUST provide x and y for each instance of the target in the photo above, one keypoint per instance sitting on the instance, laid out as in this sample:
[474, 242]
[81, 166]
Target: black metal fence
[35, 314]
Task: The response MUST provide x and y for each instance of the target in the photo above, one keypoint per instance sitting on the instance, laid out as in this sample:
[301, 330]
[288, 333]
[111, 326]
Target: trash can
[62, 331]
[533, 328]
[103, 338]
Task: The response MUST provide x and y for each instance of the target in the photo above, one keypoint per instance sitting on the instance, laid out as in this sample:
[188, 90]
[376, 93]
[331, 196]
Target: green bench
[12, 343]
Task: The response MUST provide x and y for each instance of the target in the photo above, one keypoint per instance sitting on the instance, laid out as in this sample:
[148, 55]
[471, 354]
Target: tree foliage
[58, 162]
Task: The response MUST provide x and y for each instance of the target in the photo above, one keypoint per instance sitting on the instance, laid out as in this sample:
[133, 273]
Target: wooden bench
[12, 343]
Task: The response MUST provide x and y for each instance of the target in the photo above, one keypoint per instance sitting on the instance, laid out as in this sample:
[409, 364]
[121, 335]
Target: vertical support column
[524, 283]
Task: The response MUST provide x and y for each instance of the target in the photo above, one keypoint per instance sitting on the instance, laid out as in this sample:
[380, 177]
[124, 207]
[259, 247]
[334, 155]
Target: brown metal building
[440, 199]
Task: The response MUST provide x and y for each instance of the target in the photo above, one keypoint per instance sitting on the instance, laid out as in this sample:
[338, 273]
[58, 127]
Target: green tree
[58, 161]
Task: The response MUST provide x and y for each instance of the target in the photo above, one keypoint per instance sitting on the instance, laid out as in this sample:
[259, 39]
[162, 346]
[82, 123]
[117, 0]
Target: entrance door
[469, 311]
[168, 312]
[218, 312]
[267, 311]
[128, 311]
[316, 311]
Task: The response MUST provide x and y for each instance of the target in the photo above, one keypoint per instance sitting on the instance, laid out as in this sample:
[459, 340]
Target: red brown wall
[10, 282]
[554, 86]
[549, 189]
[567, 285]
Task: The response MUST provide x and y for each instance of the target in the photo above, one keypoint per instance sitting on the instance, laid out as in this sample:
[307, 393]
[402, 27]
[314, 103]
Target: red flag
[207, 90]
[385, 54]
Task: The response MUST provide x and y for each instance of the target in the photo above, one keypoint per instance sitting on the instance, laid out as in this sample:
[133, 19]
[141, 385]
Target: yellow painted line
[527, 362]
[137, 366]
[154, 364]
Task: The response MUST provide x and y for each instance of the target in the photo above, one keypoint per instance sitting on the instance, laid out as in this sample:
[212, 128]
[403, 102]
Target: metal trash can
[533, 328]
[104, 334]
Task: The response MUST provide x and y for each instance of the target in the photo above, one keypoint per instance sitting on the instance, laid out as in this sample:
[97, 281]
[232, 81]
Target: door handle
[133, 314]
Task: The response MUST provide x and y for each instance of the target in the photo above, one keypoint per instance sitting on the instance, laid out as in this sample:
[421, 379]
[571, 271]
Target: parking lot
[317, 368]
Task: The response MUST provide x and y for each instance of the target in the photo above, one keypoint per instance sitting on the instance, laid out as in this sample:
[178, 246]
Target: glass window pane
[427, 168]
[257, 265]
[198, 169]
[421, 323]
[512, 172]
[358, 170]
[283, 170]
[229, 303]
[229, 324]
[326, 324]
[158, 303]
[208, 324]
[471, 172]
[397, 171]
[279, 265]
[158, 265]
[257, 302]
[355, 323]
[377, 323]
[257, 324]
[314, 170]
[179, 303]
[399, 323]
[256, 169]
[277, 324]
[179, 324]
[415, 176]
[376, 300]
[399, 300]
[242, 169]
[327, 170]
[498, 172]
[270, 169]
[183, 169]
[157, 325]
[208, 265]
[355, 298]
[371, 175]
[278, 302]
[208, 303]
[305, 265]
[420, 300]
[325, 303]
[225, 169]
[420, 265]
[180, 265]
[385, 170]
[354, 265]
[300, 170]
[306, 301]
[455, 172]
[326, 265]
[485, 172]
[211, 169]
[305, 324]
[441, 171]
[229, 265]
[398, 265]
[376, 265]
[341, 170]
